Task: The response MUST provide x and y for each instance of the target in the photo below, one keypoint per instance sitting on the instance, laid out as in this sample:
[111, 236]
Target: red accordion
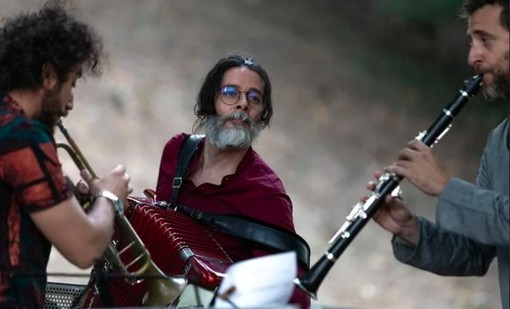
[178, 245]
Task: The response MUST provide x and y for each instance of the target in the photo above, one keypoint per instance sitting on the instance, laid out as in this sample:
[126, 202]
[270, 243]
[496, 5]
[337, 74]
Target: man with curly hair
[42, 55]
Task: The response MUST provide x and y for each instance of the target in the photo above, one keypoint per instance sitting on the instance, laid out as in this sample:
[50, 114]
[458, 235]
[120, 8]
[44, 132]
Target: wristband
[117, 204]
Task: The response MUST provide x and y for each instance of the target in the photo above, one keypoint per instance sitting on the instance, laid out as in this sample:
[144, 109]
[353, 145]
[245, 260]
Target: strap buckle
[177, 182]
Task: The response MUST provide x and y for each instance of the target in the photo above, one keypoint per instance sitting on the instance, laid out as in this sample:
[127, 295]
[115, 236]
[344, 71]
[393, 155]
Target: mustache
[480, 70]
[238, 116]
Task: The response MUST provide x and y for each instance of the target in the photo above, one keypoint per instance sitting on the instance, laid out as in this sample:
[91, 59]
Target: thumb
[120, 169]
[87, 177]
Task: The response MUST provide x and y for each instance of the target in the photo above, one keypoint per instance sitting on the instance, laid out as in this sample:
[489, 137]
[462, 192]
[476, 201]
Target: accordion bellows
[178, 245]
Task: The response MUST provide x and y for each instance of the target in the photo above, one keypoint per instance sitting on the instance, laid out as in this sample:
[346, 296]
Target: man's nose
[242, 103]
[475, 55]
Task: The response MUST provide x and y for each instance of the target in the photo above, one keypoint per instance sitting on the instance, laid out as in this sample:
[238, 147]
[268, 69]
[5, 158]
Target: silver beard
[235, 137]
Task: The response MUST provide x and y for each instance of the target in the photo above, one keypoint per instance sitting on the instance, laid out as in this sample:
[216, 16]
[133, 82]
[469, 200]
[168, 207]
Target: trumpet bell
[163, 290]
[169, 289]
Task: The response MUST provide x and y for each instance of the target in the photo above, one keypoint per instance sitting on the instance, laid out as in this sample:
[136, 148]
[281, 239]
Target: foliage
[430, 12]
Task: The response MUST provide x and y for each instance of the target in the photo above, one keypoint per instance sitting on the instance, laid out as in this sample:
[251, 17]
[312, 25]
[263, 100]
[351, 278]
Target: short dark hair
[205, 101]
[471, 6]
[30, 42]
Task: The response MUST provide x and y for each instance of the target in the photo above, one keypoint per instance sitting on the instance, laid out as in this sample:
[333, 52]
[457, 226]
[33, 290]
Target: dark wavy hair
[205, 101]
[30, 42]
[471, 6]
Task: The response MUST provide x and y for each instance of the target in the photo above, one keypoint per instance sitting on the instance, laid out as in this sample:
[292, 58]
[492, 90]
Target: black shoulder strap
[271, 238]
[188, 147]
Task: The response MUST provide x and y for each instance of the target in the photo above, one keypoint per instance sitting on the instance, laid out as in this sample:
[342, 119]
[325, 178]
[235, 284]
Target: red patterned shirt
[31, 180]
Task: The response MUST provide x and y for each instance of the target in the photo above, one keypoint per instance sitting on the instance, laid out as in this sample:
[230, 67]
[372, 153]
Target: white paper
[261, 281]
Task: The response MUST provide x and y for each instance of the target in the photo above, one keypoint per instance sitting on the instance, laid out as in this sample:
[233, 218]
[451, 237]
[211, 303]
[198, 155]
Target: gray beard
[235, 137]
[500, 89]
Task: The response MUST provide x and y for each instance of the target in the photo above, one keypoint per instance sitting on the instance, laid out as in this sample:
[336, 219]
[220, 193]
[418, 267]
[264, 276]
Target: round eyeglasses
[231, 94]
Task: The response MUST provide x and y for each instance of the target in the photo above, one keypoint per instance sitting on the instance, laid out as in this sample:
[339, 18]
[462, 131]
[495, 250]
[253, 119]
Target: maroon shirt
[254, 191]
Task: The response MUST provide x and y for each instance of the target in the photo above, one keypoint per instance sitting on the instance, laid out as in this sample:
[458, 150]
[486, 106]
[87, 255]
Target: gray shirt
[472, 222]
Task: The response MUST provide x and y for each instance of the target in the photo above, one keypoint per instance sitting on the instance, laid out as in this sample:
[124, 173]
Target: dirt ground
[332, 127]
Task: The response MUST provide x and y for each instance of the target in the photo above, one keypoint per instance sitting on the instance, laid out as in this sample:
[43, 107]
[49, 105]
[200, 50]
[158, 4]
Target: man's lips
[238, 121]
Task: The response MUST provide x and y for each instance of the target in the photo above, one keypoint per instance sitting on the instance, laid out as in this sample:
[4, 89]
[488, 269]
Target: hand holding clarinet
[385, 205]
[418, 165]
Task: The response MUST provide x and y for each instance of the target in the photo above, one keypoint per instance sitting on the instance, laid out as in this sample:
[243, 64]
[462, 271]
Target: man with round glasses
[225, 174]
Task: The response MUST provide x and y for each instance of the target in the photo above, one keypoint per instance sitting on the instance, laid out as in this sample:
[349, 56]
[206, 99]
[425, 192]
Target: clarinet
[388, 183]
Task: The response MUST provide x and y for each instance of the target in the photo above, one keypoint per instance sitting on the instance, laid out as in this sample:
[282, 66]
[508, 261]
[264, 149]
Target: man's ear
[49, 77]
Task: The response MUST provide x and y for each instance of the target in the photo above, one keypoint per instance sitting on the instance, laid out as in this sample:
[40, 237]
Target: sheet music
[260, 281]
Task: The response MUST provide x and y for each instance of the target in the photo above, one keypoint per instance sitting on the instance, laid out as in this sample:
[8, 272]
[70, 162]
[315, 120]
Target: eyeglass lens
[231, 95]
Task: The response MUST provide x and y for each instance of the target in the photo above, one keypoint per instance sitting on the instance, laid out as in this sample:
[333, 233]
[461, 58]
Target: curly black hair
[30, 42]
[470, 6]
[212, 83]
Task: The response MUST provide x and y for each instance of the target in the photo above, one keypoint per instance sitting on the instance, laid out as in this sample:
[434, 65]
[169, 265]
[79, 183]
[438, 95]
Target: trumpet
[162, 289]
[388, 183]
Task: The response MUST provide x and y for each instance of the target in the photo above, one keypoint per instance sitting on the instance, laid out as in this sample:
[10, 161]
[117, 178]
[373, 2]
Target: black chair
[60, 295]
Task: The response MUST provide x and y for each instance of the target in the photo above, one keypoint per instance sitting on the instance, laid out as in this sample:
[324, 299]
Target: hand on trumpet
[116, 182]
[82, 192]
[394, 216]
